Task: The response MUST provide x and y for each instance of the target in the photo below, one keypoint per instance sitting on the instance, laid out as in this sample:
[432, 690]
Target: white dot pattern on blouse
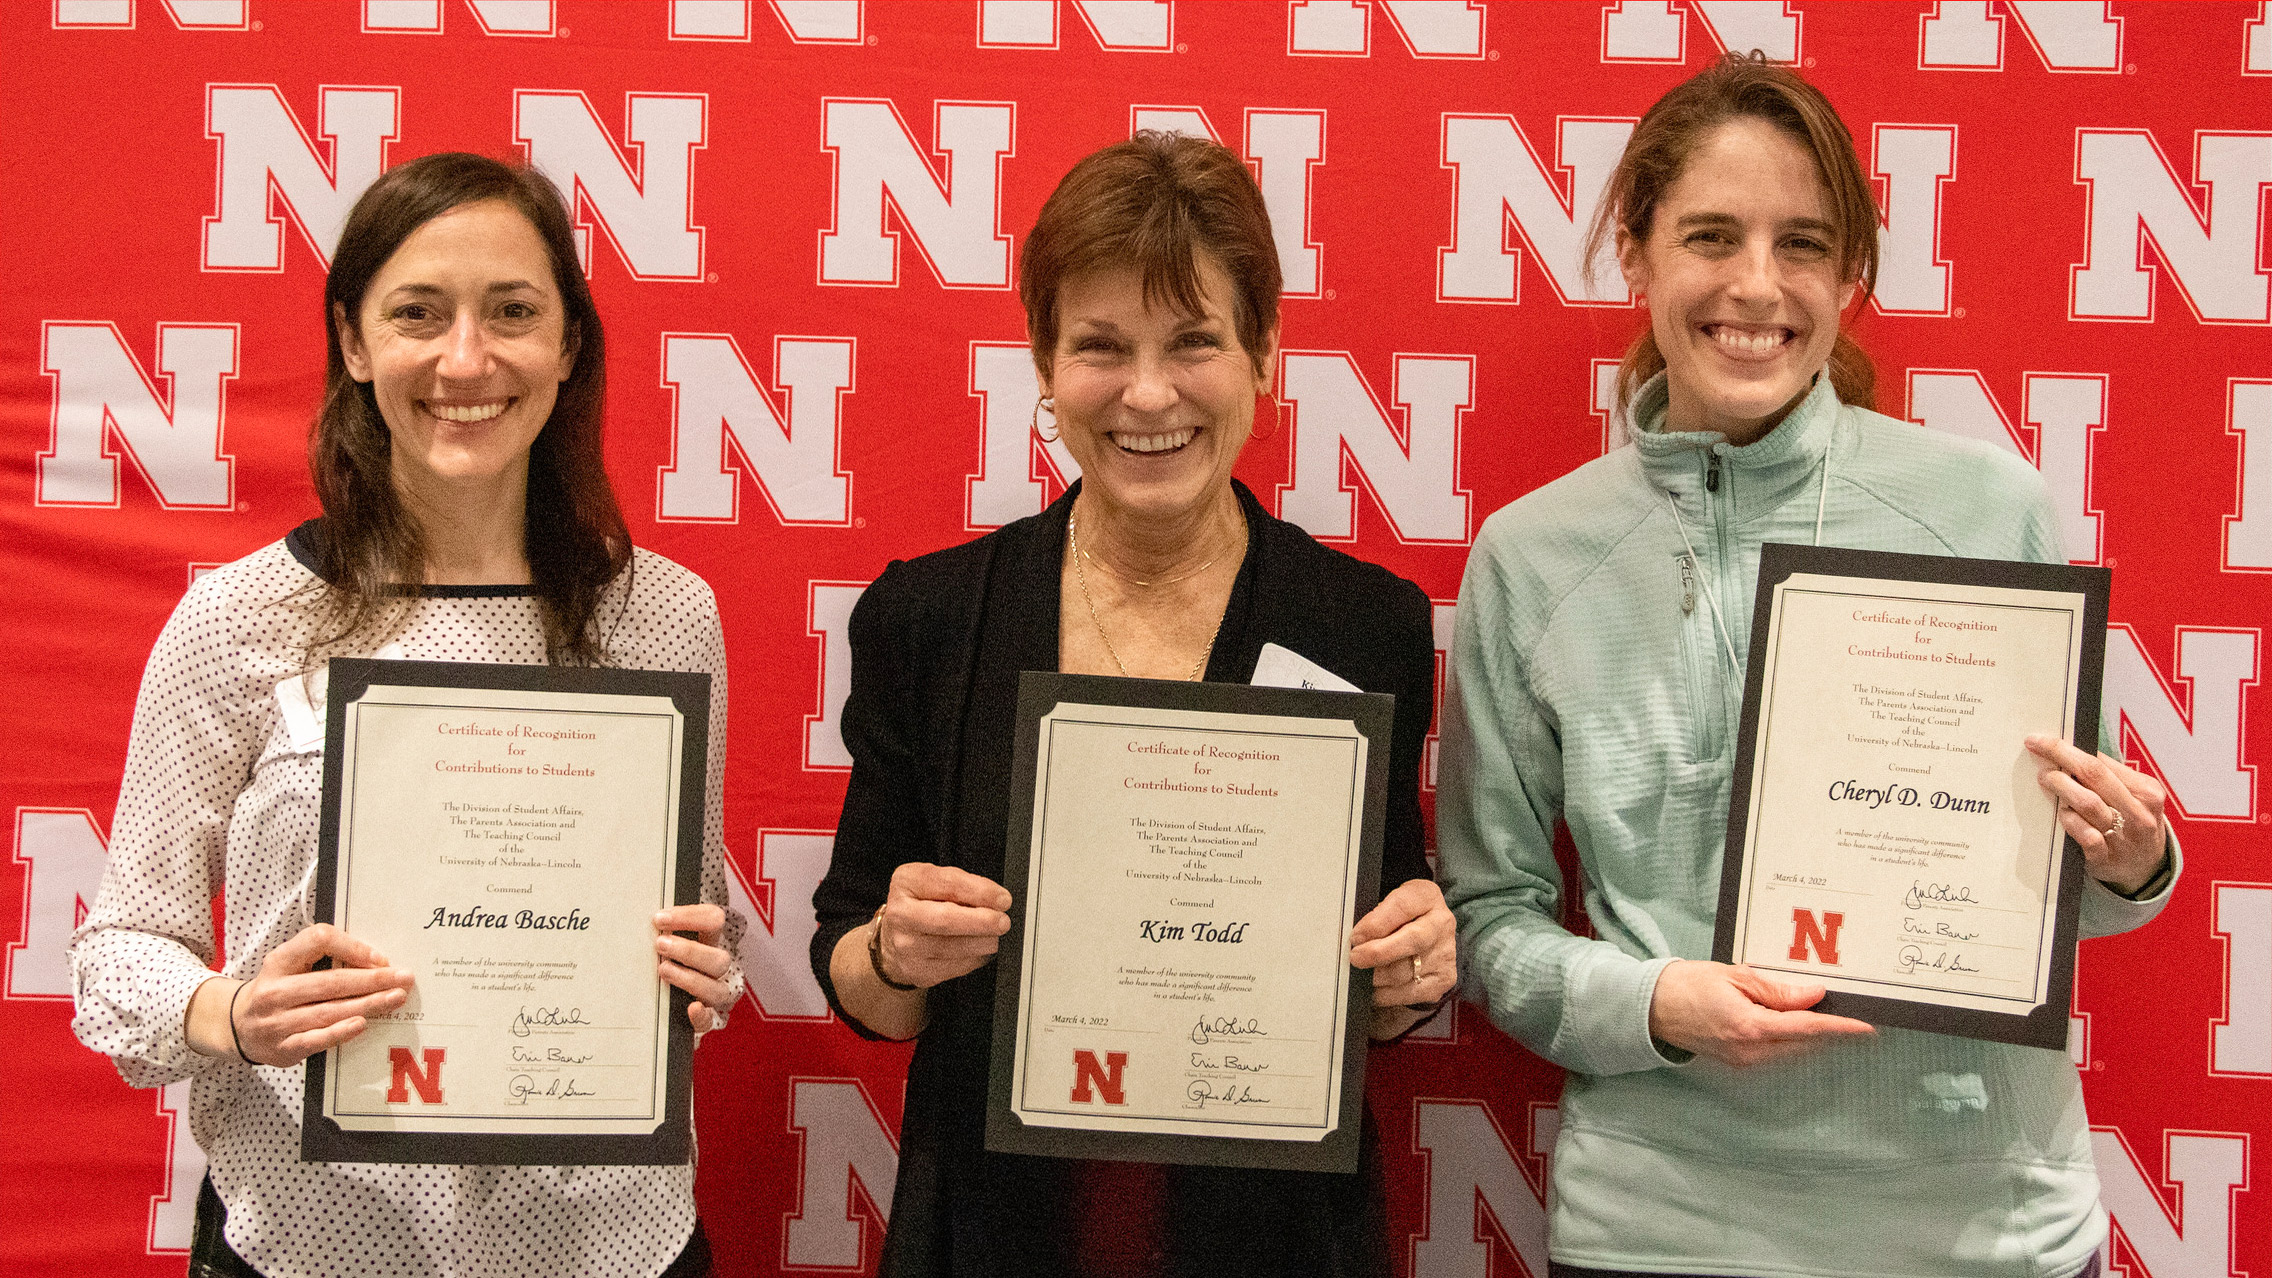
[216, 796]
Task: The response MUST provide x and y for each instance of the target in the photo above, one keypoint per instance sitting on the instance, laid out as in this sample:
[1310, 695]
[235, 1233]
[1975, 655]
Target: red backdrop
[802, 221]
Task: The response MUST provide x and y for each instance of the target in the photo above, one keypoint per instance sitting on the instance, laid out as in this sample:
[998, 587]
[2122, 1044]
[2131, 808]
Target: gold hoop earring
[1049, 436]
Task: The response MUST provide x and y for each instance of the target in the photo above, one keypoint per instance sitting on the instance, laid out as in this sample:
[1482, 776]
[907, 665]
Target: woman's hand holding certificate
[1409, 943]
[290, 1011]
[697, 966]
[937, 923]
[1740, 1017]
[2113, 812]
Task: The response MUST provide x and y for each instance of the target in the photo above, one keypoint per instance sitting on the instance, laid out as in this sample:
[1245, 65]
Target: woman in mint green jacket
[1710, 1123]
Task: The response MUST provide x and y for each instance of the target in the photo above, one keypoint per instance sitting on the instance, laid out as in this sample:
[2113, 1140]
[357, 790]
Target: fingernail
[661, 918]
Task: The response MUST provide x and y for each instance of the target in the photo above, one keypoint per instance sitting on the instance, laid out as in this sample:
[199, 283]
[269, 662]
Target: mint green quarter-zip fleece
[1589, 684]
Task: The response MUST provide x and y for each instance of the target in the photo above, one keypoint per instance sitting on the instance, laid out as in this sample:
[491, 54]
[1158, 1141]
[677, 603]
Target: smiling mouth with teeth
[467, 413]
[1748, 343]
[1166, 442]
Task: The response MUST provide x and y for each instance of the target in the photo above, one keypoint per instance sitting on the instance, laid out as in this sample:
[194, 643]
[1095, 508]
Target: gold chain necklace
[1081, 575]
[1159, 581]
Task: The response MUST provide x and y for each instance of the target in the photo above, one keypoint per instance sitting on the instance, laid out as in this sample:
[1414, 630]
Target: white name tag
[300, 698]
[1285, 668]
[303, 700]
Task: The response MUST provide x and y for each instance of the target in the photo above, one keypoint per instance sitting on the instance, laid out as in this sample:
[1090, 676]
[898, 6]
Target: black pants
[210, 1255]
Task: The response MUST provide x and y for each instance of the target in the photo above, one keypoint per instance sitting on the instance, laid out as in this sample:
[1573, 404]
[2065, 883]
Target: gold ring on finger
[2115, 828]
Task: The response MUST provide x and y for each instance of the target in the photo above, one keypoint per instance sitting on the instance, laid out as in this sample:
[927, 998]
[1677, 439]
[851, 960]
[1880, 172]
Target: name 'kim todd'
[1163, 930]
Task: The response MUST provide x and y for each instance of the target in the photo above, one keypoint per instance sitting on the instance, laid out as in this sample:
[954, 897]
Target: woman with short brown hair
[1151, 286]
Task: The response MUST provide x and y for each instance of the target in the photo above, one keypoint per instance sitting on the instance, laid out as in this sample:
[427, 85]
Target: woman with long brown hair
[1710, 1123]
[466, 517]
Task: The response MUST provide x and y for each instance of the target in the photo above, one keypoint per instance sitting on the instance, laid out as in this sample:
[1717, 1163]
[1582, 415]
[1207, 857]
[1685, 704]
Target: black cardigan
[937, 646]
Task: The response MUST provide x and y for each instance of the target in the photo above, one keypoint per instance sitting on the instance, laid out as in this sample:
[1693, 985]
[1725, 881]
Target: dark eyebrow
[1723, 219]
[430, 290]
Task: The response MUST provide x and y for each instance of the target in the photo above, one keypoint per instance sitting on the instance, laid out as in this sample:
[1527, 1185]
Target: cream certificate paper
[1189, 885]
[1896, 842]
[509, 847]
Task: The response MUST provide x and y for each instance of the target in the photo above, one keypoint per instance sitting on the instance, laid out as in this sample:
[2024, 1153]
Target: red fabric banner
[801, 222]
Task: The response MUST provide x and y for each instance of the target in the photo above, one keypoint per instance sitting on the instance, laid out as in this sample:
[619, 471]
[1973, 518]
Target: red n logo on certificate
[1105, 1077]
[407, 1075]
[1820, 933]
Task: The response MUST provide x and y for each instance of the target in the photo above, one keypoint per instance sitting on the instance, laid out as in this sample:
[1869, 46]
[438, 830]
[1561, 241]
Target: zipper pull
[1712, 473]
[1687, 585]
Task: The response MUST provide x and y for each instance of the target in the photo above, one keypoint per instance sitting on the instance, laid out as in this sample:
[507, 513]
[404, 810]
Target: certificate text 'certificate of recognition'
[1887, 836]
[506, 833]
[1176, 984]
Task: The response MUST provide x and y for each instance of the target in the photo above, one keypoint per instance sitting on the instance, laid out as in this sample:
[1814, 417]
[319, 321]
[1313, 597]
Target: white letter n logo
[955, 223]
[266, 152]
[1822, 934]
[102, 394]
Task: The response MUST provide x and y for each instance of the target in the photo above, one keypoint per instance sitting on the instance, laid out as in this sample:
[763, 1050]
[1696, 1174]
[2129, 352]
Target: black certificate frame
[671, 1141]
[2047, 1025]
[1039, 693]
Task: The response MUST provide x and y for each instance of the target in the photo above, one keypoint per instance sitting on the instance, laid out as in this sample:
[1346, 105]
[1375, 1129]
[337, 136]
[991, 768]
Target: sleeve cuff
[2106, 912]
[145, 1038]
[1666, 1053]
[2164, 875]
[1613, 1031]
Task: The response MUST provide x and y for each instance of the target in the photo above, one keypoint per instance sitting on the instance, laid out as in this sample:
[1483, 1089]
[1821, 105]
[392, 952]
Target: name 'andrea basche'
[526, 920]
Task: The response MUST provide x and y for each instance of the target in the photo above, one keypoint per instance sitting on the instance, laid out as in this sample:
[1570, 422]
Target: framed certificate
[507, 833]
[1887, 837]
[1185, 861]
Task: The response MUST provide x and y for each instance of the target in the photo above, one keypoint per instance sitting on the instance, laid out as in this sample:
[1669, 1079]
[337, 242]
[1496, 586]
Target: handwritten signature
[1941, 930]
[545, 1018]
[1201, 1092]
[1211, 1028]
[550, 1056]
[1911, 958]
[1924, 894]
[522, 1088]
[1200, 1060]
